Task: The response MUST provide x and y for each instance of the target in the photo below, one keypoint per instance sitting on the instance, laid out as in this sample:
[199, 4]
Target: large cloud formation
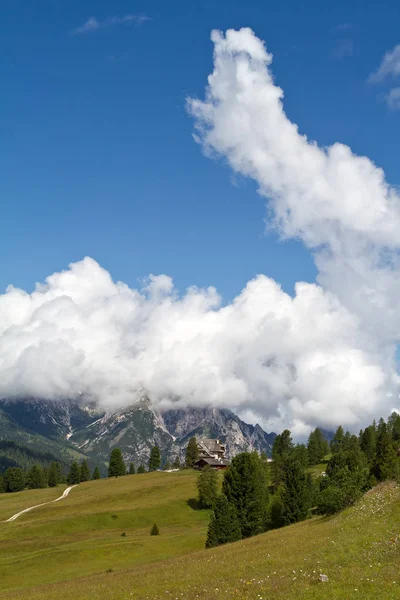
[325, 356]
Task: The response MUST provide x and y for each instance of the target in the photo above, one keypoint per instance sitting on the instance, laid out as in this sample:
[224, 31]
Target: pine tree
[224, 526]
[2, 486]
[155, 459]
[386, 464]
[192, 452]
[300, 453]
[131, 469]
[338, 440]
[154, 530]
[295, 492]
[54, 476]
[141, 469]
[283, 446]
[35, 478]
[96, 473]
[167, 466]
[116, 466]
[316, 447]
[14, 480]
[394, 427]
[207, 484]
[368, 442]
[74, 475]
[84, 471]
[245, 487]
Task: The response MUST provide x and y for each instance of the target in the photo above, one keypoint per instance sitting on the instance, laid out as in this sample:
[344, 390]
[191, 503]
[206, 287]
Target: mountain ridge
[93, 432]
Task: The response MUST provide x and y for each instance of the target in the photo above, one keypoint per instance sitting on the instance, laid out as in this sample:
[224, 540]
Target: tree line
[16, 479]
[257, 495]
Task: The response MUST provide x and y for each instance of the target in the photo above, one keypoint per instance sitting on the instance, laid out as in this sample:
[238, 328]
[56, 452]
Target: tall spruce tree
[368, 442]
[224, 526]
[155, 459]
[14, 480]
[192, 452]
[131, 469]
[116, 467]
[84, 471]
[338, 440]
[74, 475]
[35, 478]
[281, 449]
[207, 484]
[96, 473]
[386, 464]
[295, 491]
[54, 475]
[245, 487]
[394, 427]
[317, 447]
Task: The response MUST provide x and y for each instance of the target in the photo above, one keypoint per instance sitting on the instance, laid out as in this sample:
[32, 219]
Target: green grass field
[66, 550]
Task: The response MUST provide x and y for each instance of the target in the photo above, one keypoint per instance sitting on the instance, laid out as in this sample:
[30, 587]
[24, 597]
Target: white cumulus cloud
[93, 24]
[389, 67]
[325, 356]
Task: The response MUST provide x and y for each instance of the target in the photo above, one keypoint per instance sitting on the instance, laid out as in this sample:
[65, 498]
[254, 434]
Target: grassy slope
[13, 503]
[82, 534]
[359, 549]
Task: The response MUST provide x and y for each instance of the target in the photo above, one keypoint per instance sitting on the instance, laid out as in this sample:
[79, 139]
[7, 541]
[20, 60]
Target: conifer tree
[154, 530]
[368, 442]
[116, 466]
[338, 440]
[14, 480]
[317, 447]
[224, 526]
[96, 473]
[282, 447]
[394, 427]
[192, 452]
[84, 471]
[245, 487]
[207, 484]
[141, 469]
[155, 459]
[54, 476]
[386, 461]
[167, 466]
[35, 478]
[131, 469]
[74, 475]
[2, 486]
[295, 492]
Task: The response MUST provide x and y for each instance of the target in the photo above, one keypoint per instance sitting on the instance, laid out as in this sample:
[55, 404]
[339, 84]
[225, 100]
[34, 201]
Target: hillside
[66, 549]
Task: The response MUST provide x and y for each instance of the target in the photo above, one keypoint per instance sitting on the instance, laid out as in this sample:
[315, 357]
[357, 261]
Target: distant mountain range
[66, 429]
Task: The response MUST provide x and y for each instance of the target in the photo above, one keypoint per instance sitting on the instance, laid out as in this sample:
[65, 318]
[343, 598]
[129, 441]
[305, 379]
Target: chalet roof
[212, 445]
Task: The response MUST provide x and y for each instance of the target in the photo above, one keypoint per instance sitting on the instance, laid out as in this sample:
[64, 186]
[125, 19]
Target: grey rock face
[134, 429]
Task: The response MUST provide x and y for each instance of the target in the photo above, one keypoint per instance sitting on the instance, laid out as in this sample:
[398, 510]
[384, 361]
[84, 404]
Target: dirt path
[64, 495]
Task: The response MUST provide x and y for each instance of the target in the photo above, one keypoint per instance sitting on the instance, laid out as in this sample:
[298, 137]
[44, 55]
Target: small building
[212, 454]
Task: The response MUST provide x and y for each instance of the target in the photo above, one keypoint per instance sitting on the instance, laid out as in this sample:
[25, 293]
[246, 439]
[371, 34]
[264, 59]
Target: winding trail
[64, 495]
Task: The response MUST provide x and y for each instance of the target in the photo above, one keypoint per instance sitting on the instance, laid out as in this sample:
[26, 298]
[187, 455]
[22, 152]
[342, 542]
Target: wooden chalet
[211, 454]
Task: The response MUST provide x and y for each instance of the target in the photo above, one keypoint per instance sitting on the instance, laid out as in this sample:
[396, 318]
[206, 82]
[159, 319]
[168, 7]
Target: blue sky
[97, 153]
